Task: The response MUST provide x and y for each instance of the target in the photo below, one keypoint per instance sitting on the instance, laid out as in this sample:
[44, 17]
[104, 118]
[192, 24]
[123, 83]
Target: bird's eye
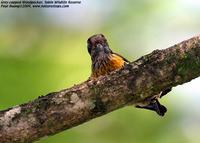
[89, 46]
[89, 49]
[88, 41]
[102, 35]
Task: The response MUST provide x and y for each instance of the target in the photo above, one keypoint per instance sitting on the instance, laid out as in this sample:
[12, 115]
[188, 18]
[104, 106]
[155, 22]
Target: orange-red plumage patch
[115, 62]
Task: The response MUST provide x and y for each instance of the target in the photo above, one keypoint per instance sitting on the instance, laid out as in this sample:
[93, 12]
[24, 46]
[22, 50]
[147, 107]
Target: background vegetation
[44, 50]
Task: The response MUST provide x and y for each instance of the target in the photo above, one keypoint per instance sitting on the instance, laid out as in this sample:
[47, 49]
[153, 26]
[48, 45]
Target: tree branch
[70, 107]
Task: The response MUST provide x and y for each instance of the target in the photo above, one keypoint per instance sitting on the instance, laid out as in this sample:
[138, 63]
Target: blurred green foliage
[44, 50]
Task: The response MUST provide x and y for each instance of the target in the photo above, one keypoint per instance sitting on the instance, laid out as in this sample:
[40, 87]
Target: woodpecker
[104, 61]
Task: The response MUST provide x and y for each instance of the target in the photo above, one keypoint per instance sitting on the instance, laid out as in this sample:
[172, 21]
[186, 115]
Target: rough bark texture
[70, 107]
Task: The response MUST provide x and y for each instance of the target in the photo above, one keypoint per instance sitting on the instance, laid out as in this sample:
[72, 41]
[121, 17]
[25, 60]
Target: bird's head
[97, 44]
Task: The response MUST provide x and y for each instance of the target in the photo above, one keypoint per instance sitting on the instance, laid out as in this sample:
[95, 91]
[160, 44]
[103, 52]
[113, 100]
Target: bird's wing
[122, 57]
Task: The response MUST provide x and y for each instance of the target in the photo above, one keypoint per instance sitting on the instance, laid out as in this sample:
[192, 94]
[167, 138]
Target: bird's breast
[106, 65]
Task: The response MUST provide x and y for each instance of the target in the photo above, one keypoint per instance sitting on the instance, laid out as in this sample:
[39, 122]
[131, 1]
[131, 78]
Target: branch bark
[70, 107]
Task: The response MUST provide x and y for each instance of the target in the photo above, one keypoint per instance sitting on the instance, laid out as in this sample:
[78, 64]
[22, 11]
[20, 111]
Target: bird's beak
[99, 47]
[103, 48]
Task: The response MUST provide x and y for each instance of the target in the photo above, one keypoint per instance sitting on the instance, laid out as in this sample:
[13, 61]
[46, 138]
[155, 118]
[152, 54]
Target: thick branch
[70, 107]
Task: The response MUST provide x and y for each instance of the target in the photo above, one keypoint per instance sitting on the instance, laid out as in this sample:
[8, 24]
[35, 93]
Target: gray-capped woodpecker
[104, 61]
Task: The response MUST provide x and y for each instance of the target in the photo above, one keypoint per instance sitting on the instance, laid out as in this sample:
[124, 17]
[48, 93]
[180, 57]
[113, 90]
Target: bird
[105, 61]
